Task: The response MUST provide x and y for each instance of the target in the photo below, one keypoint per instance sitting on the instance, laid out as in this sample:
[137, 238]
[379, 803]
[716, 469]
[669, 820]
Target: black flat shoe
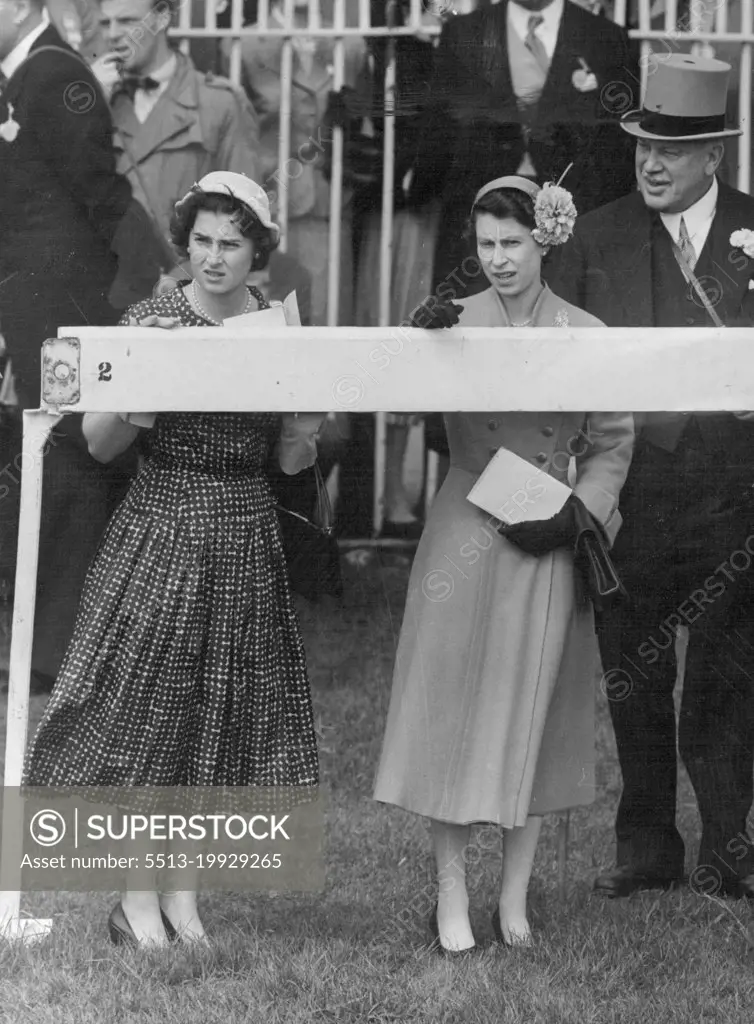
[170, 931]
[437, 946]
[121, 932]
[624, 881]
[497, 928]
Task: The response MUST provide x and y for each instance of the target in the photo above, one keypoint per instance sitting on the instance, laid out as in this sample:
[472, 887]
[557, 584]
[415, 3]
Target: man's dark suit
[682, 552]
[60, 204]
[474, 131]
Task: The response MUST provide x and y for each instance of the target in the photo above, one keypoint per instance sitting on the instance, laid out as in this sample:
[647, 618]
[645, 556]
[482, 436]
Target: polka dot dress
[186, 667]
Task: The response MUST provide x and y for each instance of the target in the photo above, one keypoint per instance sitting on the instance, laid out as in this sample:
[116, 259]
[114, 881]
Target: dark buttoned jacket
[61, 201]
[474, 130]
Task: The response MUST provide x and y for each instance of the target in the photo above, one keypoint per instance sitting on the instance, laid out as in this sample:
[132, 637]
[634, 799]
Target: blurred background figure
[77, 21]
[414, 230]
[308, 187]
[174, 124]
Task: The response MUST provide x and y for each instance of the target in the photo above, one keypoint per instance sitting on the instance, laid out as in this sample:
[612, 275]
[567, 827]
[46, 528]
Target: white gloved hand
[106, 69]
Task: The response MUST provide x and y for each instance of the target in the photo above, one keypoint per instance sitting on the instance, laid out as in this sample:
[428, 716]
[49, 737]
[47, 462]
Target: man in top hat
[663, 257]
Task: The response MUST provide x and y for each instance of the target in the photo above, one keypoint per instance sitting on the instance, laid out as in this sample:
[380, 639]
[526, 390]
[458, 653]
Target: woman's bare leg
[519, 848]
[140, 906]
[142, 912]
[450, 843]
[179, 904]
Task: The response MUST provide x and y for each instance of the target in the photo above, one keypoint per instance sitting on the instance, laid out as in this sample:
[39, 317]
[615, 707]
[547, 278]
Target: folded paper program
[514, 491]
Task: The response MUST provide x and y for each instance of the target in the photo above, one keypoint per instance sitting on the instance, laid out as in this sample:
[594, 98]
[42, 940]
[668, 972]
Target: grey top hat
[685, 100]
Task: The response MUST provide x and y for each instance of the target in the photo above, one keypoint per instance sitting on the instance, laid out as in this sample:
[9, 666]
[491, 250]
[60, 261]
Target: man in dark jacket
[61, 202]
[523, 87]
[668, 256]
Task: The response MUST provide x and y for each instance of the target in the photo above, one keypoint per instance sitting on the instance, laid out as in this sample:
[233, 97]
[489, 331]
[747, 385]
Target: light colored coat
[201, 123]
[261, 58]
[307, 190]
[491, 714]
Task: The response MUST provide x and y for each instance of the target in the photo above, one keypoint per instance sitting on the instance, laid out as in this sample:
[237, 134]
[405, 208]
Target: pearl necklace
[524, 323]
[200, 308]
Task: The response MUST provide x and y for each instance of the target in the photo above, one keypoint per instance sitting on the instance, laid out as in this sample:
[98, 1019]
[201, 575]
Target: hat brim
[635, 129]
[225, 188]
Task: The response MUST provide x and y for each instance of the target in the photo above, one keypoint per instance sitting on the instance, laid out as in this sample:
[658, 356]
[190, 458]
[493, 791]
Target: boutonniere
[744, 239]
[583, 78]
[9, 128]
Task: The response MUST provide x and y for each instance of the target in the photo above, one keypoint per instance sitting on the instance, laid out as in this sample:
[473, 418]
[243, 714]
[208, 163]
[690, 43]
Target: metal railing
[721, 28]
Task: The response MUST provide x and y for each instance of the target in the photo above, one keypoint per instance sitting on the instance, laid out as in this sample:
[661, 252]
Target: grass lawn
[358, 952]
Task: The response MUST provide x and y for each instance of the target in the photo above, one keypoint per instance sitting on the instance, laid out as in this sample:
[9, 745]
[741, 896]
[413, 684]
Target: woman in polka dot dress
[186, 667]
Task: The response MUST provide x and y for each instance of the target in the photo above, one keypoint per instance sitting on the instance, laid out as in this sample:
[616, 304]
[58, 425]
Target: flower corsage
[744, 239]
[555, 215]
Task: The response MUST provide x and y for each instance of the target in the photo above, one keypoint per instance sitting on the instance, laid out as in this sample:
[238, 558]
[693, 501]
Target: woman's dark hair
[250, 226]
[503, 203]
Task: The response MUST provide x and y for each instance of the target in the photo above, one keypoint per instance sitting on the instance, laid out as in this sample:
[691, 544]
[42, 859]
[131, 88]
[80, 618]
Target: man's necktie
[684, 244]
[132, 83]
[535, 45]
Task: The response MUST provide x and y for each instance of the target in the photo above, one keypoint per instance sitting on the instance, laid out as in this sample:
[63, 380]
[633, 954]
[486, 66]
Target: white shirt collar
[165, 71]
[20, 51]
[518, 19]
[697, 218]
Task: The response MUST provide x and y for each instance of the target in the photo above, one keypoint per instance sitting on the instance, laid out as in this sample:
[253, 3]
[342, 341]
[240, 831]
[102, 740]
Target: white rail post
[36, 430]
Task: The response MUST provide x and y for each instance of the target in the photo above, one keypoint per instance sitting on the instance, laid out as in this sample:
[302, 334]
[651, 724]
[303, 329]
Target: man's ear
[716, 153]
[163, 15]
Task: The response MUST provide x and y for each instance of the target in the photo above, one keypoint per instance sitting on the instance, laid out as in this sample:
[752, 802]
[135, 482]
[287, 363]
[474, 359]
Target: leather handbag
[311, 548]
[596, 576]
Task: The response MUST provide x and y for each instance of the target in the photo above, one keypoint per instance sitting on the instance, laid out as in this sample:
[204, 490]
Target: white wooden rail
[129, 369]
[380, 369]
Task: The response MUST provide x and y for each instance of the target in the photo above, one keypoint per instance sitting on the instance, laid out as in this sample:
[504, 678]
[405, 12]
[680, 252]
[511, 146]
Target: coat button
[493, 424]
[492, 451]
[548, 431]
[541, 457]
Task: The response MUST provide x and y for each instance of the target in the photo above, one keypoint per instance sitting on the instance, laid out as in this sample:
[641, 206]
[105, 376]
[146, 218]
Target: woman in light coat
[491, 712]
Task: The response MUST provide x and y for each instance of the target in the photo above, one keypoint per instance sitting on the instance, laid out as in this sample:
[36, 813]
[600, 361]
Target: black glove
[343, 107]
[434, 316]
[543, 535]
[362, 154]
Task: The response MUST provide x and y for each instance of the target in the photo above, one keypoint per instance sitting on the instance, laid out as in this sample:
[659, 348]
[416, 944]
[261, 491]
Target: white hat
[685, 100]
[246, 191]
